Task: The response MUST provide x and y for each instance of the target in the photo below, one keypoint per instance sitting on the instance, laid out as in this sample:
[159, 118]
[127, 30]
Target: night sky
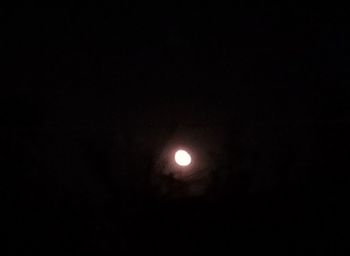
[93, 100]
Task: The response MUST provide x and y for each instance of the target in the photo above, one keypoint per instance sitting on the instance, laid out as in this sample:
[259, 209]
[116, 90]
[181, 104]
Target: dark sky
[90, 99]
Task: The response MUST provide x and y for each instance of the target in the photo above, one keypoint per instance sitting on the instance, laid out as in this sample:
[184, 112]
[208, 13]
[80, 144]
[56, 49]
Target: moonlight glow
[182, 158]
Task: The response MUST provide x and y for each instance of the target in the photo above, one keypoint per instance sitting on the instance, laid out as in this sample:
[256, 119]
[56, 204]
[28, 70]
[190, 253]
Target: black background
[89, 96]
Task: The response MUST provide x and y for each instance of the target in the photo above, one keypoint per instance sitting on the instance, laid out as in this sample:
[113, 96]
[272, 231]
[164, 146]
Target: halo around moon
[182, 158]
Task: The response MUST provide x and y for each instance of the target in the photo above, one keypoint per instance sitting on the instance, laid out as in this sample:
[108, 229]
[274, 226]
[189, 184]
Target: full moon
[182, 158]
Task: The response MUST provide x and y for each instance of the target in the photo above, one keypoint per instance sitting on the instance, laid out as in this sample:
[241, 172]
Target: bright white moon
[182, 158]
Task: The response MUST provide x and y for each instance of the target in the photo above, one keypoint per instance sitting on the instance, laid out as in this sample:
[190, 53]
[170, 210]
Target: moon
[182, 158]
